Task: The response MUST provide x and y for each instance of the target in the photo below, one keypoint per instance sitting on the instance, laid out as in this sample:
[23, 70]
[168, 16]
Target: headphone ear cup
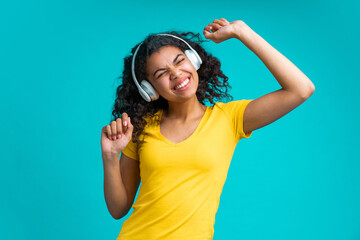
[148, 88]
[194, 58]
[144, 95]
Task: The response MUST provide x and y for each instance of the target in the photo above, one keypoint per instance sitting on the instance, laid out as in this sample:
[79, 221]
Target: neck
[185, 111]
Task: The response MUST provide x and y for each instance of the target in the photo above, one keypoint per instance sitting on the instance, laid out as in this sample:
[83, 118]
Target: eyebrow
[160, 69]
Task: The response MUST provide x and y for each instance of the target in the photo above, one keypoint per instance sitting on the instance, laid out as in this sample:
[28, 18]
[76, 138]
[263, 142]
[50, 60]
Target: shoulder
[153, 118]
[231, 106]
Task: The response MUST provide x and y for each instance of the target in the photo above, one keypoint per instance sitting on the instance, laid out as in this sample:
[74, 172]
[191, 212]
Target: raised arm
[296, 86]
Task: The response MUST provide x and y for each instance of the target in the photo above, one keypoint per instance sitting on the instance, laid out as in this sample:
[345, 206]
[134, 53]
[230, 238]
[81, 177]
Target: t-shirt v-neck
[196, 131]
[181, 183]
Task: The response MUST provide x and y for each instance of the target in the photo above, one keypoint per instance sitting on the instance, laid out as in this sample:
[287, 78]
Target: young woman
[181, 149]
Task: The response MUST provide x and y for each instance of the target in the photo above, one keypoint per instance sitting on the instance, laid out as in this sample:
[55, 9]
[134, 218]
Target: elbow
[118, 216]
[311, 90]
[308, 92]
[115, 216]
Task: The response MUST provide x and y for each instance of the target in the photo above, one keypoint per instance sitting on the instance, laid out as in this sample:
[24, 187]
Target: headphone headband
[146, 90]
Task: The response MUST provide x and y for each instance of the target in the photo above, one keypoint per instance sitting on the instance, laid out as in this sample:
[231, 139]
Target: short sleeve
[131, 150]
[235, 113]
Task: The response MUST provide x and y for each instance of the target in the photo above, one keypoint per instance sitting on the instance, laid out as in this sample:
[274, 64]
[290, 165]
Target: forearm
[285, 72]
[114, 189]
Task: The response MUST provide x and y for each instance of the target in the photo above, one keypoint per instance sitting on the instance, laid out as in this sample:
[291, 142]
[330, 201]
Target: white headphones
[146, 90]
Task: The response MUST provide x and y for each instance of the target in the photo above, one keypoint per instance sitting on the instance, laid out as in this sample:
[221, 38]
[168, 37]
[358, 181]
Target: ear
[150, 90]
[194, 58]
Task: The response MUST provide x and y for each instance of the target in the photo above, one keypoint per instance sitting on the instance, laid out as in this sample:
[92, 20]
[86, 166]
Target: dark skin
[184, 108]
[180, 120]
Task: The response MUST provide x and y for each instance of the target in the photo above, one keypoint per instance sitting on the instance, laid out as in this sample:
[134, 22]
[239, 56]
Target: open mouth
[185, 84]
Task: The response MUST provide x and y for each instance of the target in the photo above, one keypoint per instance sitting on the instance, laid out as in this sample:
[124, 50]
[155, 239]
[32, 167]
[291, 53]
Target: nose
[175, 73]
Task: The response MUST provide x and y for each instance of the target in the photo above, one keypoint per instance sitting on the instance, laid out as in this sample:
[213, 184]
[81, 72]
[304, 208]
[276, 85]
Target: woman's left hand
[221, 30]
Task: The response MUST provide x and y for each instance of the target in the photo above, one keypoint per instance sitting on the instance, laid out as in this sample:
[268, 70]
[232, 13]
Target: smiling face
[172, 75]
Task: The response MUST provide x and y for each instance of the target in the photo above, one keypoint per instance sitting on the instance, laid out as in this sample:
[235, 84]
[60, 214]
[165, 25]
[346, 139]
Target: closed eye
[176, 64]
[180, 61]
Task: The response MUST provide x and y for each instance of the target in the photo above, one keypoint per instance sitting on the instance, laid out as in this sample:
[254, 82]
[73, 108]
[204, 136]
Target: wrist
[241, 30]
[110, 157]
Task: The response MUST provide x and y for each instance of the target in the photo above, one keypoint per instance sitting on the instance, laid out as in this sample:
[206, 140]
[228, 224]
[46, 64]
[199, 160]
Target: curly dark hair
[213, 84]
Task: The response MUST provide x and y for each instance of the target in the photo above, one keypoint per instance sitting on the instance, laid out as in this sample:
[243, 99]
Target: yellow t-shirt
[181, 183]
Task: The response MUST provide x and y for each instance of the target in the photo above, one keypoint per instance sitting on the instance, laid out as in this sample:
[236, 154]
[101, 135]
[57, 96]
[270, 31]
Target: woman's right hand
[116, 136]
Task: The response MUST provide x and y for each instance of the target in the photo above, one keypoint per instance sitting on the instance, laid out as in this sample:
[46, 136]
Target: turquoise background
[297, 178]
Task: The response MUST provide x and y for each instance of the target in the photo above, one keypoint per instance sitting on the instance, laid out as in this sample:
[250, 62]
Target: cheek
[162, 84]
[189, 67]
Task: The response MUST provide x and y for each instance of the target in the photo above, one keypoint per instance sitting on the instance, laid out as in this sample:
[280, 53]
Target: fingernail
[118, 136]
[113, 138]
[125, 123]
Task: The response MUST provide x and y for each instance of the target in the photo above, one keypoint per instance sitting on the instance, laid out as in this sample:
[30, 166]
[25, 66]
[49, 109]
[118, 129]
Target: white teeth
[183, 84]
